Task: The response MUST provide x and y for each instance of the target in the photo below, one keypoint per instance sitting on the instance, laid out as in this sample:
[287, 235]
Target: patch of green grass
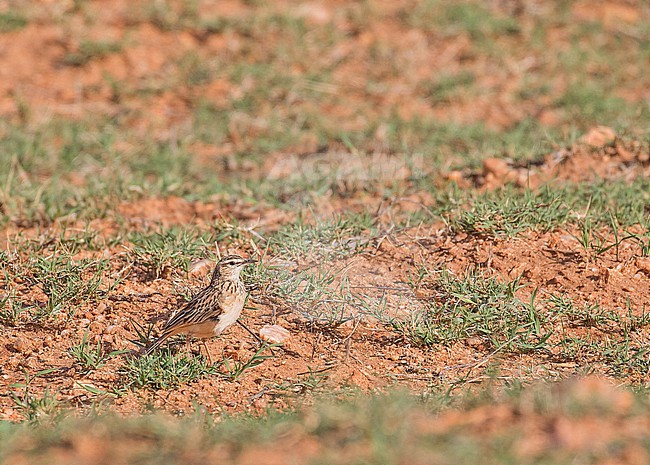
[586, 316]
[511, 212]
[601, 204]
[91, 357]
[170, 16]
[617, 338]
[169, 249]
[164, 369]
[12, 21]
[473, 306]
[35, 173]
[89, 50]
[235, 369]
[623, 358]
[37, 188]
[452, 18]
[67, 283]
[457, 146]
[194, 69]
[320, 296]
[592, 103]
[210, 124]
[606, 202]
[447, 86]
[595, 243]
[451, 145]
[64, 241]
[324, 239]
[476, 20]
[45, 409]
[10, 309]
[73, 170]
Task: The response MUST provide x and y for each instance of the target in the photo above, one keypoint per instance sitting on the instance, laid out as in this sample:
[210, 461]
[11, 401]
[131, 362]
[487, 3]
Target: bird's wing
[204, 306]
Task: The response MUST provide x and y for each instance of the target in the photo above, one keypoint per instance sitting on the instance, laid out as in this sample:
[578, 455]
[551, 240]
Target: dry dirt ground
[47, 73]
[363, 353]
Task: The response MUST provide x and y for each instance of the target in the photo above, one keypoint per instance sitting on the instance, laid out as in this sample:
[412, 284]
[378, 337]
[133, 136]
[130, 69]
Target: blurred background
[266, 100]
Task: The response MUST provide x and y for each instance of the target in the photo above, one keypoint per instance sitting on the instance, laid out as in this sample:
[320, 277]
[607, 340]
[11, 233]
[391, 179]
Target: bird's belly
[229, 318]
[202, 330]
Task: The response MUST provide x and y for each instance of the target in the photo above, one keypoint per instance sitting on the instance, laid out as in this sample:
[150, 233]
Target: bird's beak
[250, 260]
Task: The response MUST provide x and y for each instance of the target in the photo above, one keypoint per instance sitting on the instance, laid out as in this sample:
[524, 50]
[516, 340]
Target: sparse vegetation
[447, 222]
[89, 50]
[164, 369]
[66, 283]
[11, 20]
[474, 306]
[91, 357]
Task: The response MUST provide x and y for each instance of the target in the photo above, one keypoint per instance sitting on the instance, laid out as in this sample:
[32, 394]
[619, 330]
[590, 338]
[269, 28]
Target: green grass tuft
[164, 369]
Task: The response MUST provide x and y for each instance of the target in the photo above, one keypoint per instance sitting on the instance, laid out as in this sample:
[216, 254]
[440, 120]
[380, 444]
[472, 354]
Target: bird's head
[229, 267]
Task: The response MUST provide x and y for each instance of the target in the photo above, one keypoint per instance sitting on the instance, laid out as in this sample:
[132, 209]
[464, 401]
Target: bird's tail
[157, 343]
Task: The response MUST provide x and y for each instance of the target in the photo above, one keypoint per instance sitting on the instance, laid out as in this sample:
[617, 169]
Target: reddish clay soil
[366, 355]
[37, 84]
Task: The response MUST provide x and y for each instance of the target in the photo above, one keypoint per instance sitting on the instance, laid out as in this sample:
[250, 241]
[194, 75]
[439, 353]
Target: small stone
[624, 153]
[20, 345]
[599, 136]
[100, 309]
[497, 172]
[199, 267]
[643, 264]
[455, 176]
[274, 333]
[314, 13]
[495, 166]
[96, 327]
[37, 343]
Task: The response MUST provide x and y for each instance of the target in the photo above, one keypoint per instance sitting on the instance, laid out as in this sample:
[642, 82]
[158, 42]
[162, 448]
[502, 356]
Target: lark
[212, 310]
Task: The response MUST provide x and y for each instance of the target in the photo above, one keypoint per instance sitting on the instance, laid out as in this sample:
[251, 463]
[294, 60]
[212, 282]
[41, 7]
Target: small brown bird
[213, 309]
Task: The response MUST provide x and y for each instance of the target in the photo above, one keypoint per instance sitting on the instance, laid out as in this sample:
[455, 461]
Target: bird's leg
[250, 332]
[253, 334]
[207, 352]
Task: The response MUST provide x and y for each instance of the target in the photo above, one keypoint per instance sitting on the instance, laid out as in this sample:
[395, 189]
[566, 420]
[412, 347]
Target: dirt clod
[599, 136]
[20, 345]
